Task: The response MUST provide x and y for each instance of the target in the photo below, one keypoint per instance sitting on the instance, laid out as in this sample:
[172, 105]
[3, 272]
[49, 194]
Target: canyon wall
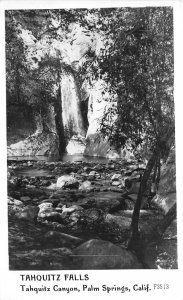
[81, 128]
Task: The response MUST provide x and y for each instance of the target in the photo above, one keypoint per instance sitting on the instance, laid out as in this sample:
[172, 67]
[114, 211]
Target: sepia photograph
[91, 170]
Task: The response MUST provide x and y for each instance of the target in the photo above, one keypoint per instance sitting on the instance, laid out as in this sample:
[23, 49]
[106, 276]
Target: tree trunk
[59, 122]
[139, 241]
[136, 213]
[156, 176]
[158, 173]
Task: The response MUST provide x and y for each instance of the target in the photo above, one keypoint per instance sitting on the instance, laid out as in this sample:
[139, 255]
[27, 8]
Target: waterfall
[71, 111]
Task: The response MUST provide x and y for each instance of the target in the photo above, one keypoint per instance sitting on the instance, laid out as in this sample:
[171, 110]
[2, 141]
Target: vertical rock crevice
[59, 122]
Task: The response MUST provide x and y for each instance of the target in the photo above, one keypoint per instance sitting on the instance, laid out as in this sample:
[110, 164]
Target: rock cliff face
[166, 196]
[44, 140]
[73, 93]
[98, 104]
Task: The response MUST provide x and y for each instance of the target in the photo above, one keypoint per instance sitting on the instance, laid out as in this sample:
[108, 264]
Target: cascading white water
[71, 112]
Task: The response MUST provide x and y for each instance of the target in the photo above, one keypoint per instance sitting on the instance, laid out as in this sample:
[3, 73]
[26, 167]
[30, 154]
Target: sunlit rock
[86, 185]
[71, 209]
[12, 201]
[67, 181]
[98, 145]
[45, 208]
[76, 145]
[115, 177]
[36, 144]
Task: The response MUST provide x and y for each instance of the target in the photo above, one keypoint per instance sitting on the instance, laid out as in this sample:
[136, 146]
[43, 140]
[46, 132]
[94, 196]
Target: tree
[137, 64]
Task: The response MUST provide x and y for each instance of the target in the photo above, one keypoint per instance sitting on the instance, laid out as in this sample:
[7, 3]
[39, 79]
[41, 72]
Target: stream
[28, 170]
[56, 206]
[64, 158]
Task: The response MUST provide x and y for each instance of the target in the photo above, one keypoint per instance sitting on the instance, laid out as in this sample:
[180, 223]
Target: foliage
[137, 64]
[15, 57]
[33, 66]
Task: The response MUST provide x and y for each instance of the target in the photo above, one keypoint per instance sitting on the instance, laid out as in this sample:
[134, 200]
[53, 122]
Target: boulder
[75, 220]
[92, 173]
[107, 204]
[36, 144]
[100, 255]
[45, 182]
[25, 198]
[76, 145]
[109, 201]
[98, 168]
[12, 201]
[47, 212]
[116, 177]
[117, 183]
[54, 201]
[67, 181]
[45, 208]
[29, 213]
[112, 154]
[53, 216]
[14, 206]
[43, 151]
[166, 195]
[164, 201]
[86, 185]
[71, 209]
[122, 222]
[106, 201]
[86, 202]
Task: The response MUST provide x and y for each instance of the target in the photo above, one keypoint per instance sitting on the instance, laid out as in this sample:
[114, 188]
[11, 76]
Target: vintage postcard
[91, 162]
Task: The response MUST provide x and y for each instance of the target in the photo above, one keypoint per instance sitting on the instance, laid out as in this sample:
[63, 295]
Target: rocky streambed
[77, 215]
